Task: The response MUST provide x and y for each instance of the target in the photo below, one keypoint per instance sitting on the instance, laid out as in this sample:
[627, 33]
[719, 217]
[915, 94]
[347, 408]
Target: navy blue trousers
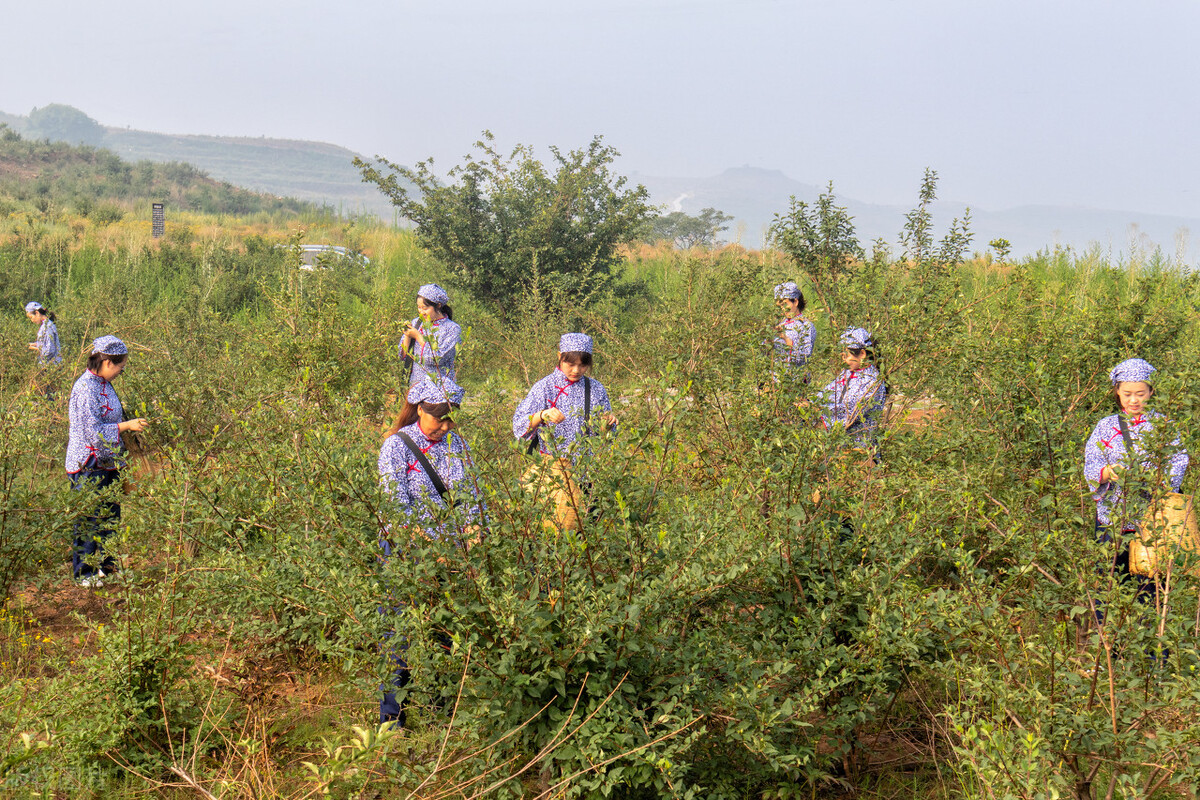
[391, 709]
[395, 646]
[93, 528]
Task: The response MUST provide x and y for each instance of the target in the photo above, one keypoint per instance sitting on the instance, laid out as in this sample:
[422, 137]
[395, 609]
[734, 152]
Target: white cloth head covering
[1131, 369]
[575, 343]
[857, 337]
[109, 346]
[434, 294]
[33, 306]
[788, 290]
[443, 390]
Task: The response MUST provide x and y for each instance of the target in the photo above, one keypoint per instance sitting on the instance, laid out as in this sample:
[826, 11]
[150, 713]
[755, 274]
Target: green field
[747, 614]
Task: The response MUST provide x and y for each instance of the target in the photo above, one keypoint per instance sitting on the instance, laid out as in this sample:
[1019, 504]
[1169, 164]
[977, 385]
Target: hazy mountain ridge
[316, 172]
[753, 196]
[323, 173]
[97, 183]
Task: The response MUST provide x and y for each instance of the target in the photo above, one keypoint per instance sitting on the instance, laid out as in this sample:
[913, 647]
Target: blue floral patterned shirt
[555, 391]
[436, 355]
[95, 411]
[409, 485]
[794, 344]
[1106, 448]
[47, 342]
[857, 397]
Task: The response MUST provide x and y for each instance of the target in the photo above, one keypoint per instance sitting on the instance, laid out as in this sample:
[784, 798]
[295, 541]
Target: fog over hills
[313, 171]
[753, 196]
[323, 173]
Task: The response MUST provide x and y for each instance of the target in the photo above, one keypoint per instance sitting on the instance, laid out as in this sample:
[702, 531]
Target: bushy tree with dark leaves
[510, 227]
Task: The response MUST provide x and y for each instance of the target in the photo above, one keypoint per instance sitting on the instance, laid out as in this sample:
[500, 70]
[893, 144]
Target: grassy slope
[313, 171]
[47, 174]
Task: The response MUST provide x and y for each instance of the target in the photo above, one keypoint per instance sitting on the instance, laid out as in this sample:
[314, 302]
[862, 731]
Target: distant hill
[753, 196]
[95, 182]
[312, 171]
[323, 173]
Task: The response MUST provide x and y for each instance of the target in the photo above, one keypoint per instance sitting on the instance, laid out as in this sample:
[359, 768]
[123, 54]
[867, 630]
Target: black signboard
[158, 218]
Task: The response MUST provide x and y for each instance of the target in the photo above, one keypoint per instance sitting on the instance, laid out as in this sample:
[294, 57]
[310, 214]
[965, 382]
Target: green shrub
[107, 214]
[718, 629]
[508, 227]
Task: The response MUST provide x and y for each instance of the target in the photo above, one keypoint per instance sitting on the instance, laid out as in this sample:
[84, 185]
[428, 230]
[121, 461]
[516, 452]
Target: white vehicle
[314, 255]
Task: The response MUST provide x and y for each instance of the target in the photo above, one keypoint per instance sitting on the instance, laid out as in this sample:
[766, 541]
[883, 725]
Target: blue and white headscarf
[109, 346]
[434, 294]
[787, 291]
[857, 337]
[1131, 369]
[32, 306]
[575, 343]
[442, 390]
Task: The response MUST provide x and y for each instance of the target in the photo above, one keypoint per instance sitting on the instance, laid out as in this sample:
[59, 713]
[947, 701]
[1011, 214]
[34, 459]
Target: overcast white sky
[1019, 102]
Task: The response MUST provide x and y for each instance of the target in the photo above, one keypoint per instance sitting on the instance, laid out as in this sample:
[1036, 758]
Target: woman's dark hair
[45, 312]
[800, 304]
[576, 357]
[444, 310]
[800, 301]
[872, 357]
[408, 414]
[1117, 400]
[96, 359]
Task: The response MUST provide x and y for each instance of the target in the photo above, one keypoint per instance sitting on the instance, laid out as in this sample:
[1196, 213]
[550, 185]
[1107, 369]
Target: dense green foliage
[515, 234]
[717, 629]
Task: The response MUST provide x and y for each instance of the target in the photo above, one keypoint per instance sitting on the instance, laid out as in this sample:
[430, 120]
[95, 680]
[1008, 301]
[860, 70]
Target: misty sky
[1083, 103]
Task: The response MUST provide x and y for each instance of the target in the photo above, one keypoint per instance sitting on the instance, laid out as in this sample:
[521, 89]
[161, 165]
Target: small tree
[507, 227]
[1002, 247]
[917, 235]
[686, 231]
[820, 239]
[60, 123]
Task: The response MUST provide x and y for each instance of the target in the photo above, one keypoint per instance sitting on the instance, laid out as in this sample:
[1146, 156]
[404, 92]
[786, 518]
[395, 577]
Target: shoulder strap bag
[439, 486]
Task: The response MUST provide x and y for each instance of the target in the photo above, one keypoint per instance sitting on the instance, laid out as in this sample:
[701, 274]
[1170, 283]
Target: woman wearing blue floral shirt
[431, 340]
[856, 397]
[46, 346]
[423, 507]
[553, 412]
[1106, 458]
[560, 412]
[94, 453]
[794, 344]
[426, 422]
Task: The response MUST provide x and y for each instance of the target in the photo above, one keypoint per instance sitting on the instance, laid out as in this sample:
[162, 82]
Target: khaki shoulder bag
[1169, 523]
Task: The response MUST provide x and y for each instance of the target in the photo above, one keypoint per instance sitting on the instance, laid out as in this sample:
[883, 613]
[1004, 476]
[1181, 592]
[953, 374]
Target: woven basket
[1168, 527]
[551, 478]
